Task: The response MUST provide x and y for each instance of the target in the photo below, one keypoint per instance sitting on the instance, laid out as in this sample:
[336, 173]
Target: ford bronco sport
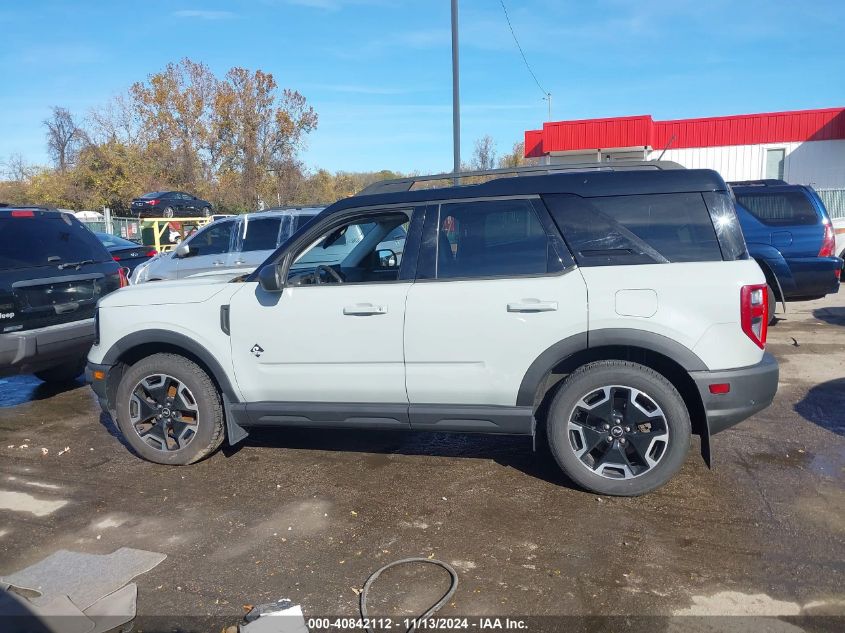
[616, 306]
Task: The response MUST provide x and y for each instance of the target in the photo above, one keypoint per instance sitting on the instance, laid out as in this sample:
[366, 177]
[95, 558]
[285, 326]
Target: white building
[801, 147]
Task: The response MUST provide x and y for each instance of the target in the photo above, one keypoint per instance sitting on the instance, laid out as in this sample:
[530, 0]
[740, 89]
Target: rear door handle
[364, 309]
[532, 305]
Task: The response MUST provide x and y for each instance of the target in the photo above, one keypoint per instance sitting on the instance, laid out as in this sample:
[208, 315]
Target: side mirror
[269, 278]
[386, 258]
[183, 250]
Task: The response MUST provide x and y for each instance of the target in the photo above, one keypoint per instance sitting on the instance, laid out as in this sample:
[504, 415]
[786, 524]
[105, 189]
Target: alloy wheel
[618, 432]
[164, 413]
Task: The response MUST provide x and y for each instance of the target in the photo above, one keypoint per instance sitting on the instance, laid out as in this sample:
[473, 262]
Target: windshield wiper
[76, 265]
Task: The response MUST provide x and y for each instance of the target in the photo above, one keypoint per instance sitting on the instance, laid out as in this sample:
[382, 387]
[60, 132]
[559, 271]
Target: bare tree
[64, 137]
[16, 169]
[484, 156]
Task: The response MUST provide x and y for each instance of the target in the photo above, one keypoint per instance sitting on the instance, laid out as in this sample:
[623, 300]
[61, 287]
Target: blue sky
[378, 71]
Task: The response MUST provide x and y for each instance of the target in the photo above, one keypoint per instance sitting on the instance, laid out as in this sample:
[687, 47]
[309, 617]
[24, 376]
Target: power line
[546, 93]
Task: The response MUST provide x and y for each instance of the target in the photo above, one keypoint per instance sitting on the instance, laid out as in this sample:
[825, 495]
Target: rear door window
[502, 238]
[779, 208]
[46, 241]
[261, 234]
[639, 229]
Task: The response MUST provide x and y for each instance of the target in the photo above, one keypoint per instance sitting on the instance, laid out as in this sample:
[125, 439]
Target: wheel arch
[667, 357]
[133, 347]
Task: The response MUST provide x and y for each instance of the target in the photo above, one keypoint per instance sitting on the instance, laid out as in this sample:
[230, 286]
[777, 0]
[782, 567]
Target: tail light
[754, 313]
[829, 242]
[152, 253]
[152, 202]
[124, 280]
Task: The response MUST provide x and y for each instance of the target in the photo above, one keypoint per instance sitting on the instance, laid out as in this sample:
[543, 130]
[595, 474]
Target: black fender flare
[172, 339]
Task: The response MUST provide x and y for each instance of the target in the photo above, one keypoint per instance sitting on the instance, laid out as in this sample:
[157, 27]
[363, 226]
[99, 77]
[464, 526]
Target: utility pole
[456, 95]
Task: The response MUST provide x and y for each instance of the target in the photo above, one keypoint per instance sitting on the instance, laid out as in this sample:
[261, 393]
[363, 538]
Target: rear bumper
[813, 277]
[34, 350]
[752, 389]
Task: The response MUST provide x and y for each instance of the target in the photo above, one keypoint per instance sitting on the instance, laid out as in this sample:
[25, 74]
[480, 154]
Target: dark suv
[53, 271]
[789, 233]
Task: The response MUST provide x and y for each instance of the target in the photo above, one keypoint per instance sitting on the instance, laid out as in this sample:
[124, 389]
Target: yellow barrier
[165, 234]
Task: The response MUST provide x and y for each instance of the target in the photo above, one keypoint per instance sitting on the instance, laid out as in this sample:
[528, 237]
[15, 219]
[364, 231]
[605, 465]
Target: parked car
[483, 326]
[52, 273]
[789, 233]
[129, 254]
[232, 245]
[169, 204]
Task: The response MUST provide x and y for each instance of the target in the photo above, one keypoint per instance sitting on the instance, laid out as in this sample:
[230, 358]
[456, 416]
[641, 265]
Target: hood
[182, 291]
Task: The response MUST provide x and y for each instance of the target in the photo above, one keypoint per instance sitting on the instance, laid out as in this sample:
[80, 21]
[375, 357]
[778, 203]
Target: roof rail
[764, 182]
[407, 184]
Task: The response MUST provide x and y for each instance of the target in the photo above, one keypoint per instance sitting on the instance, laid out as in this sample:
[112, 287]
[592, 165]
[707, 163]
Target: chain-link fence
[834, 200]
[127, 228]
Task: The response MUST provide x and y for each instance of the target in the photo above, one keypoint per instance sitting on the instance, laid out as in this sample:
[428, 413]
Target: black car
[170, 204]
[53, 271]
[128, 253]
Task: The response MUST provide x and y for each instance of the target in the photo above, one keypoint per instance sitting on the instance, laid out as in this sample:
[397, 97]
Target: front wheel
[169, 410]
[206, 212]
[618, 428]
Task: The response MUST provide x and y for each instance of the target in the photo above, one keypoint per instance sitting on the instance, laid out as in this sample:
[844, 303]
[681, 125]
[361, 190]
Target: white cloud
[204, 14]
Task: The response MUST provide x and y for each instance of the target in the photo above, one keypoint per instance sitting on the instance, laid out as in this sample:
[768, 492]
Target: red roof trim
[632, 131]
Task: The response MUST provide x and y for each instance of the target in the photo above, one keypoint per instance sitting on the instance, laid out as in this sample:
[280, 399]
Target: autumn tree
[64, 137]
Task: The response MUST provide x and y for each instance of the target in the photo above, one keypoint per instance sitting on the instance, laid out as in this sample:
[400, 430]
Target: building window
[774, 163]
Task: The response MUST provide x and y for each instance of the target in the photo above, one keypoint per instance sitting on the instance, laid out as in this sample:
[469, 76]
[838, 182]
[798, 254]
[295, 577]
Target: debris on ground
[63, 451]
[281, 616]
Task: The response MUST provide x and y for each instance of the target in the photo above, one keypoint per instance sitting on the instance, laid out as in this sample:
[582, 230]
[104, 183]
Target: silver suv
[231, 245]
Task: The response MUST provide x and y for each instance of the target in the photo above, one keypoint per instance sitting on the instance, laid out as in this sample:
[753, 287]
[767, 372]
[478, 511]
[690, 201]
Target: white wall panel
[817, 163]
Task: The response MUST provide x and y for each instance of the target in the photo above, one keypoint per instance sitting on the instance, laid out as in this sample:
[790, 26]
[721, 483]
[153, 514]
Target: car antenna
[668, 145]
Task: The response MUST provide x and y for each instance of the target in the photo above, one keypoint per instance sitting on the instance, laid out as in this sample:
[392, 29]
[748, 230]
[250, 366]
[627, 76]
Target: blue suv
[789, 233]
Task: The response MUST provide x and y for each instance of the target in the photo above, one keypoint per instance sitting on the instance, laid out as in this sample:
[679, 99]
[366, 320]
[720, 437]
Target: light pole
[456, 95]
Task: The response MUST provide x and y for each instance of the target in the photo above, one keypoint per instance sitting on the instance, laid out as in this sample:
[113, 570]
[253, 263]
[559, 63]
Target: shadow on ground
[823, 405]
[833, 315]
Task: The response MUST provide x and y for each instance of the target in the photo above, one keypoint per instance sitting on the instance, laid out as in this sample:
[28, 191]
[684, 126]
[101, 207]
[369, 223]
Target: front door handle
[240, 261]
[532, 305]
[217, 263]
[364, 309]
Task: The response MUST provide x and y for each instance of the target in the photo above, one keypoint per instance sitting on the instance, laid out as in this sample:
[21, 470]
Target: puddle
[23, 502]
[17, 390]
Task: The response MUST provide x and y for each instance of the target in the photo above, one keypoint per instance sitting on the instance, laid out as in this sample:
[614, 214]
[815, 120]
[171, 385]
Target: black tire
[62, 373]
[168, 212]
[209, 432]
[612, 374]
[772, 304]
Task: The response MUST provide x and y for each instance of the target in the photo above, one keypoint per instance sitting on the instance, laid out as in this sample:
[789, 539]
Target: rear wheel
[62, 373]
[168, 212]
[618, 428]
[169, 410]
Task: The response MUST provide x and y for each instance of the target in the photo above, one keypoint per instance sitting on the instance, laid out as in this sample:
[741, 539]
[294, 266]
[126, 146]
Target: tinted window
[44, 240]
[151, 195]
[491, 239]
[791, 207]
[213, 240]
[644, 229]
[261, 234]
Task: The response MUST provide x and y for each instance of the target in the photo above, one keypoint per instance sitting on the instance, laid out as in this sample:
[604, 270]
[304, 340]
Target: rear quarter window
[638, 229]
[779, 208]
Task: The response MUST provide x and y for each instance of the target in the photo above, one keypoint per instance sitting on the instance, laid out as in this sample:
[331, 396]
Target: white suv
[617, 308]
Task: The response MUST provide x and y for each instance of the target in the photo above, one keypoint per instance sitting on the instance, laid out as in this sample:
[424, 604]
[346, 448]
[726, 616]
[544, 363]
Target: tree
[516, 157]
[484, 156]
[64, 138]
